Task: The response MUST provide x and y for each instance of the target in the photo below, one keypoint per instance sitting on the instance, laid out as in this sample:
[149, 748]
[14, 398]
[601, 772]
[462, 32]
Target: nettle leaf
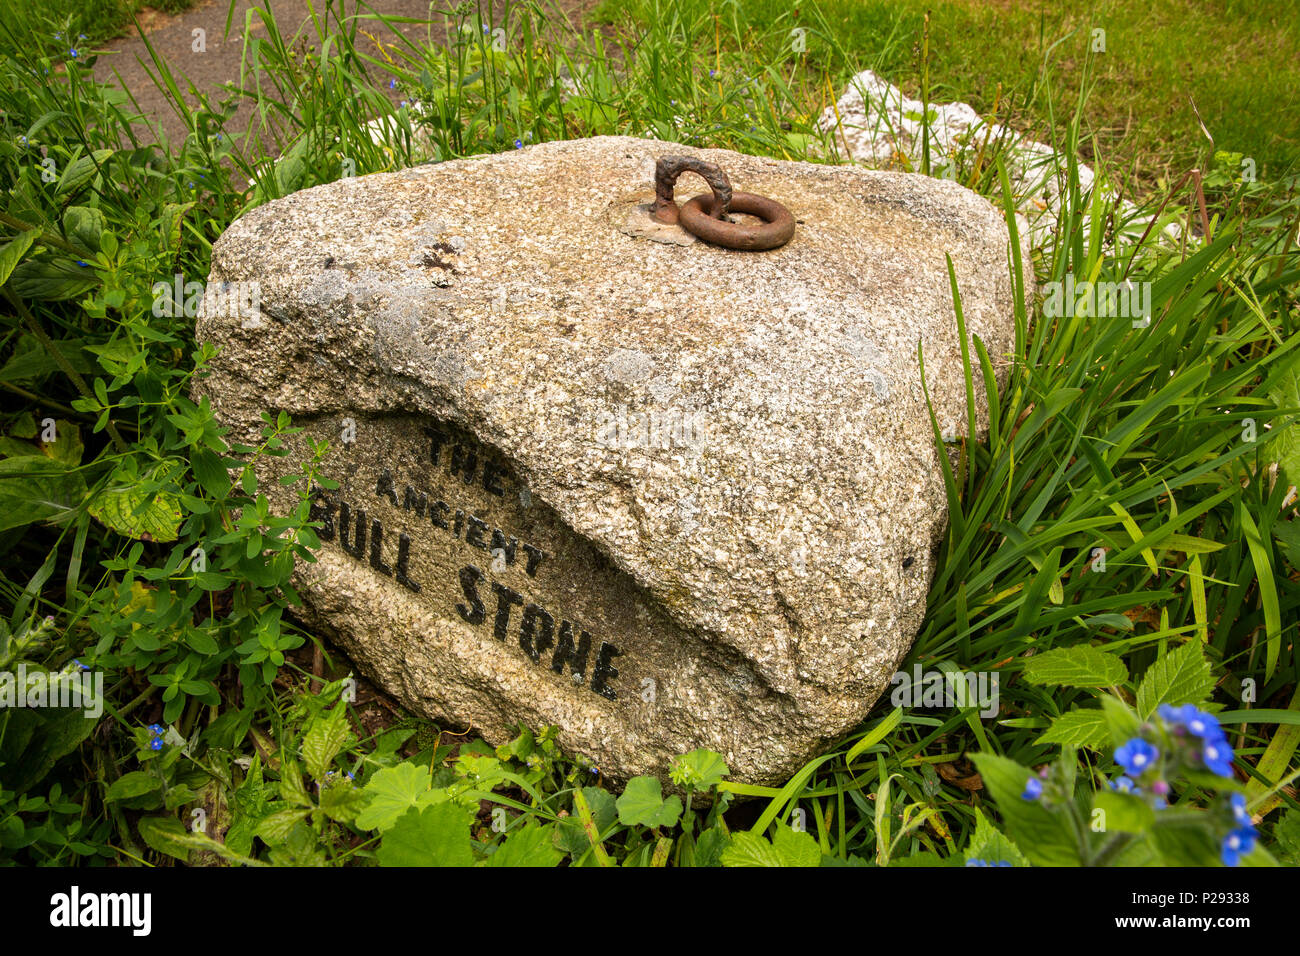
[1180, 677]
[395, 790]
[1287, 835]
[1081, 666]
[323, 741]
[992, 845]
[1045, 836]
[431, 836]
[534, 845]
[135, 513]
[342, 801]
[1085, 727]
[750, 849]
[797, 847]
[643, 804]
[250, 807]
[709, 847]
[1122, 721]
[275, 827]
[788, 848]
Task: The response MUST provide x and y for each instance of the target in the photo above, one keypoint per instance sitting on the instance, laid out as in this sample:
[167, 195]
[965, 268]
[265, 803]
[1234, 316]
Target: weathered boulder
[600, 475]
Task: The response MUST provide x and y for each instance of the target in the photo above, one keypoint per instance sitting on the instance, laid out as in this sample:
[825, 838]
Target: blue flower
[156, 744]
[1136, 756]
[72, 53]
[83, 263]
[988, 863]
[156, 729]
[519, 144]
[1199, 723]
[1239, 841]
[80, 665]
[1239, 811]
[1217, 755]
[1124, 785]
[1033, 789]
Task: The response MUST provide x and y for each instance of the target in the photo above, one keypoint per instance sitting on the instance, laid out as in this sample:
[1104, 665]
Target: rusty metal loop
[696, 217]
[706, 217]
[668, 168]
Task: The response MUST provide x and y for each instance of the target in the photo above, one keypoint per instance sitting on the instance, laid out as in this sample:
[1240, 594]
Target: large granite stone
[660, 494]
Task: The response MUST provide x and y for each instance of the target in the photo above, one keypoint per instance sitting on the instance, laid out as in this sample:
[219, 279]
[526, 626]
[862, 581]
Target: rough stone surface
[575, 441]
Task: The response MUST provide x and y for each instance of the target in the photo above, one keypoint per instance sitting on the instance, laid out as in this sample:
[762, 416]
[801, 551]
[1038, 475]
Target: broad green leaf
[437, 835]
[323, 741]
[1286, 446]
[275, 827]
[52, 280]
[1045, 836]
[642, 804]
[135, 513]
[532, 846]
[797, 847]
[166, 835]
[393, 791]
[137, 783]
[33, 740]
[35, 488]
[1181, 676]
[709, 847]
[1121, 722]
[1123, 812]
[1081, 666]
[81, 170]
[211, 472]
[750, 849]
[12, 252]
[83, 226]
[66, 447]
[342, 801]
[990, 844]
[699, 769]
[1084, 727]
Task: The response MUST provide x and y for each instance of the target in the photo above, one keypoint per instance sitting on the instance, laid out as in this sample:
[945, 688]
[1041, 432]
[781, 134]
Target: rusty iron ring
[696, 217]
[706, 216]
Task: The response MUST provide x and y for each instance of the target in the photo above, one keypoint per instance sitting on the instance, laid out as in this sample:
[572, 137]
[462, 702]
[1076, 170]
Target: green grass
[1236, 62]
[83, 23]
[1107, 436]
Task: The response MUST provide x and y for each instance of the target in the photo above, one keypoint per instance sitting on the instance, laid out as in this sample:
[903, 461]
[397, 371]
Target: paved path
[126, 62]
